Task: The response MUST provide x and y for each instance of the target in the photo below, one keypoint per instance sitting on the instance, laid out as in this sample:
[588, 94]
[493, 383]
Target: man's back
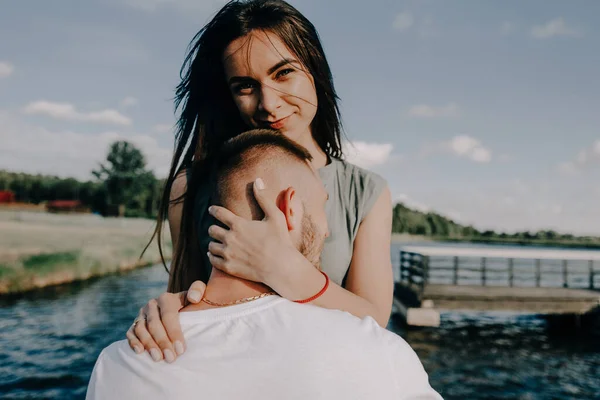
[269, 349]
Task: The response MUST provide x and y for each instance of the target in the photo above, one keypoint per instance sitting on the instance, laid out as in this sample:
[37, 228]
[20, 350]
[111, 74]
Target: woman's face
[270, 86]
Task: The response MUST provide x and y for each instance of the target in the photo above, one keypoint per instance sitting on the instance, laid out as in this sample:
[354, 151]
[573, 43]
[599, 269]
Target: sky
[484, 111]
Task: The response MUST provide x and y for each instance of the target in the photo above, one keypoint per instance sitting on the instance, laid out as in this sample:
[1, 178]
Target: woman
[260, 64]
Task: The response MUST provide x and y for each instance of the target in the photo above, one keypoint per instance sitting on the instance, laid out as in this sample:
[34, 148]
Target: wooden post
[455, 277]
[409, 271]
[591, 274]
[511, 272]
[425, 272]
[401, 269]
[483, 262]
[538, 272]
[565, 275]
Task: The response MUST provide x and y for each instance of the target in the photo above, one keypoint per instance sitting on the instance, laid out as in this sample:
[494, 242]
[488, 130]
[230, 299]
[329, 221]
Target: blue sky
[486, 111]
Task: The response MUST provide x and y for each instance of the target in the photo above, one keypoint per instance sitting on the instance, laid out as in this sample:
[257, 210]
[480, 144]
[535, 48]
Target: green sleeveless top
[352, 193]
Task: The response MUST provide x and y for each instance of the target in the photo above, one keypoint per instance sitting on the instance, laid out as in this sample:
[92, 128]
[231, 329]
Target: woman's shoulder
[357, 176]
[362, 187]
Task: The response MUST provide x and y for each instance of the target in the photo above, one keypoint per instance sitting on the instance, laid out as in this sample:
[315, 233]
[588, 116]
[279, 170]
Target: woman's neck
[319, 157]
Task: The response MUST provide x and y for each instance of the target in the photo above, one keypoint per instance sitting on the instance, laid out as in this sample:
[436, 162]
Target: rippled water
[49, 343]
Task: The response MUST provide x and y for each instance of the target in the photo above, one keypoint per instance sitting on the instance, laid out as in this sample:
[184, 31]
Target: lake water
[49, 342]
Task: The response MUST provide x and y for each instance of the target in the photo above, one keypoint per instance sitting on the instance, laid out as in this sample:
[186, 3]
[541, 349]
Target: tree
[125, 176]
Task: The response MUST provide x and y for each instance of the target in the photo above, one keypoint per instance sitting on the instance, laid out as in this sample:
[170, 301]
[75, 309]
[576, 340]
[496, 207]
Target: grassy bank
[40, 249]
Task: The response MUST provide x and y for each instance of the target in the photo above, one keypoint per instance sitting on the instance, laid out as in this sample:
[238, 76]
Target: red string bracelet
[316, 296]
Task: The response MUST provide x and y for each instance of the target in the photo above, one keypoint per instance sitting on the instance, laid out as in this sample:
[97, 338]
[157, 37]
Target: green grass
[47, 262]
[40, 249]
[6, 271]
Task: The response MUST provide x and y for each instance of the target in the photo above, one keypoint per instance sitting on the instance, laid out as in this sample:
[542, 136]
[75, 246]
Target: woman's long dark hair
[209, 116]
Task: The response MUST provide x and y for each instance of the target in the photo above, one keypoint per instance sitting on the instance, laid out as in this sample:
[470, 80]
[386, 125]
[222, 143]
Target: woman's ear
[289, 205]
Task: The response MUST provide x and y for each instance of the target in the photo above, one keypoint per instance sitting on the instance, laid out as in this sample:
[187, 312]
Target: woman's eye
[284, 72]
[243, 88]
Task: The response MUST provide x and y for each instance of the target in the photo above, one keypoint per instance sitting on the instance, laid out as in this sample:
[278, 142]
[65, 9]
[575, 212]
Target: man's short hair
[245, 151]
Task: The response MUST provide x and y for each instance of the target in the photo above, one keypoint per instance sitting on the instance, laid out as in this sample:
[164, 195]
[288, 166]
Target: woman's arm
[369, 285]
[158, 329]
[262, 251]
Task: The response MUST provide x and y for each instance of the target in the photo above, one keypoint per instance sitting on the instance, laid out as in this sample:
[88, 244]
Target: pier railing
[417, 270]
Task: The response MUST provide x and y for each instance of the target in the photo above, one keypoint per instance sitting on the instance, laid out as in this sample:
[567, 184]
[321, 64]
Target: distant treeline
[430, 224]
[36, 189]
[122, 186]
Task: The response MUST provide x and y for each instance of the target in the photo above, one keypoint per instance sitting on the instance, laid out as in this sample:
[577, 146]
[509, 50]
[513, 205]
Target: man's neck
[225, 288]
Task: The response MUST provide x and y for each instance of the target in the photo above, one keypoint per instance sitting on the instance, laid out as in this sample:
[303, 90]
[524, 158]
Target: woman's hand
[157, 328]
[250, 249]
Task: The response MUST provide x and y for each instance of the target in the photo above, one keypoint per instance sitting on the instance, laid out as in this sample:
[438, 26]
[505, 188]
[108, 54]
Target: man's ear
[289, 204]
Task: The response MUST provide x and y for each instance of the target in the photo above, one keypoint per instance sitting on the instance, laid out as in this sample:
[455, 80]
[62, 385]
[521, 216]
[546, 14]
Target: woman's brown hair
[208, 115]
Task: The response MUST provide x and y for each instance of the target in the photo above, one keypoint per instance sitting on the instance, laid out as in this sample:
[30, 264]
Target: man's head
[290, 181]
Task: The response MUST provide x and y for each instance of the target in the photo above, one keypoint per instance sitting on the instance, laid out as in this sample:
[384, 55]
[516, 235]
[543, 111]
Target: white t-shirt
[270, 348]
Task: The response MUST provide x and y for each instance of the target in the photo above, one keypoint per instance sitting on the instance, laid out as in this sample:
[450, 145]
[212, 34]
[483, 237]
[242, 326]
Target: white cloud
[555, 27]
[426, 111]
[365, 154]
[481, 155]
[471, 148]
[583, 160]
[6, 69]
[67, 112]
[411, 203]
[34, 149]
[403, 21]
[462, 146]
[163, 128]
[129, 101]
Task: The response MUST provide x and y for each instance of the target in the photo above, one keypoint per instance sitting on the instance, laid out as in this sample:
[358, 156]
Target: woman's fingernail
[137, 349]
[260, 185]
[178, 347]
[210, 210]
[155, 354]
[169, 356]
[194, 296]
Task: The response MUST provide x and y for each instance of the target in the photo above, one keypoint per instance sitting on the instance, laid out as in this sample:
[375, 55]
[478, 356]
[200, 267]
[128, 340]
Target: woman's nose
[270, 99]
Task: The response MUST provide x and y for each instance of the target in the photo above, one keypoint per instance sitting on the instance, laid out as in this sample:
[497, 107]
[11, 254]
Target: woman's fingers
[224, 215]
[218, 233]
[158, 332]
[268, 206]
[134, 343]
[140, 330]
[196, 292]
[217, 262]
[169, 305]
[217, 249]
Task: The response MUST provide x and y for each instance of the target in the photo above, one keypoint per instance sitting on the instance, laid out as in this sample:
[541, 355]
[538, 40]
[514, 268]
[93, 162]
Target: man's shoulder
[119, 353]
[355, 328]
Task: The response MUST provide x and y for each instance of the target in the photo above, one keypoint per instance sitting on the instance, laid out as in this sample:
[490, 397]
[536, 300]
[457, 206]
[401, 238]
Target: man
[244, 342]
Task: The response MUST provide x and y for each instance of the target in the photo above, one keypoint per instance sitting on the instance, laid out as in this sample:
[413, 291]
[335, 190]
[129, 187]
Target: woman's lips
[277, 124]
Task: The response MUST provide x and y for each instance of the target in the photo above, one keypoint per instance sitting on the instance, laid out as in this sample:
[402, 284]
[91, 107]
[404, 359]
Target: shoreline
[39, 250]
[23, 285]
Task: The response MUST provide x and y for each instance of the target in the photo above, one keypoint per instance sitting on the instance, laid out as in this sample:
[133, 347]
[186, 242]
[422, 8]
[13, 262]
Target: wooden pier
[540, 281]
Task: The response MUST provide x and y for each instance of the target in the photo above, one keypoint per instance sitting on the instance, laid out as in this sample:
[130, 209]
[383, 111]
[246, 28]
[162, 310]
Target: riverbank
[40, 249]
[591, 244]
